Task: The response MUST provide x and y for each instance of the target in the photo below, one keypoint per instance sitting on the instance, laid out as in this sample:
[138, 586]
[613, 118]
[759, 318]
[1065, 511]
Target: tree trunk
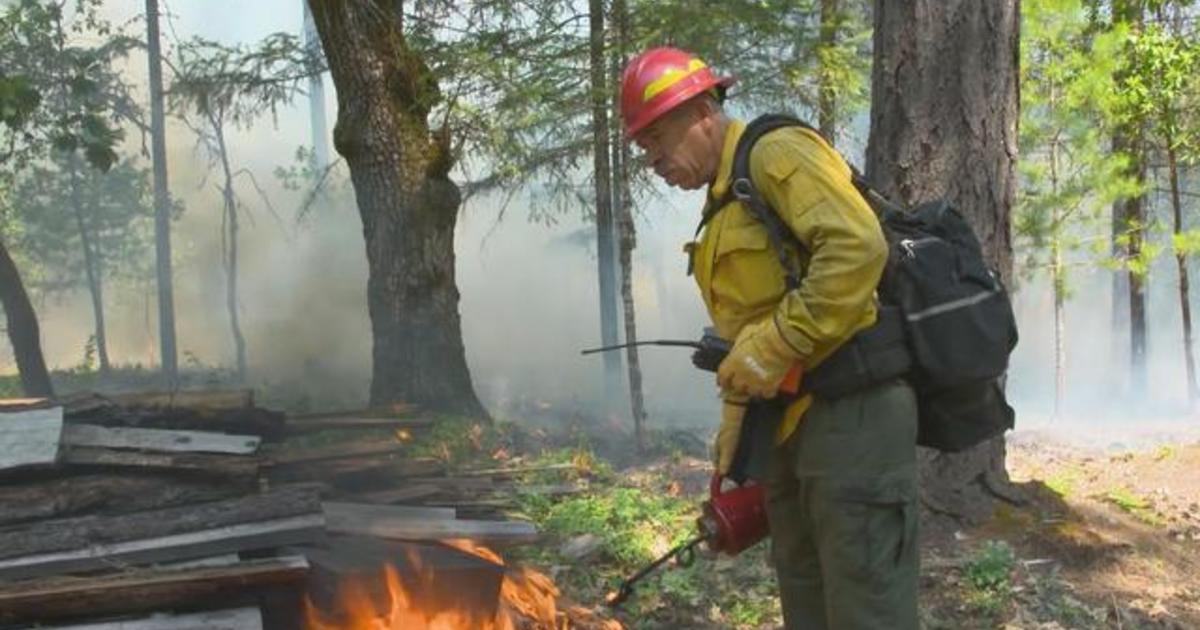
[162, 201]
[229, 246]
[944, 124]
[316, 96]
[1057, 276]
[23, 330]
[409, 206]
[826, 98]
[1185, 307]
[626, 229]
[605, 242]
[92, 267]
[1129, 220]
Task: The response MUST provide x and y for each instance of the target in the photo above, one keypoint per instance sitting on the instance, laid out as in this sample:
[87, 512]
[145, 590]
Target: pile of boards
[201, 510]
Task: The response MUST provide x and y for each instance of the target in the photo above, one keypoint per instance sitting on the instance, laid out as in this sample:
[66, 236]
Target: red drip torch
[730, 522]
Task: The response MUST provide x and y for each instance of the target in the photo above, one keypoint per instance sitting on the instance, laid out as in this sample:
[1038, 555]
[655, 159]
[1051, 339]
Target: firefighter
[841, 480]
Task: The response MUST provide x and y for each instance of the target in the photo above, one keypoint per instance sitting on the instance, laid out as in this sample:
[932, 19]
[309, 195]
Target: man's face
[678, 149]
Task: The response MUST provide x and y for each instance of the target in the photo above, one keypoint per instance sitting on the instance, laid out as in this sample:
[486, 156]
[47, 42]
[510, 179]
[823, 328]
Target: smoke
[529, 293]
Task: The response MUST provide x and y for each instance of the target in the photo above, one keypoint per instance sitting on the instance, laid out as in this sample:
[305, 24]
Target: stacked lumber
[199, 509]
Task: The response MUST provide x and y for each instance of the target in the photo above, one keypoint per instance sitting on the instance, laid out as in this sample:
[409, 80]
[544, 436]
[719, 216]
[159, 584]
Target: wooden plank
[401, 528]
[203, 399]
[224, 465]
[344, 450]
[338, 513]
[160, 440]
[139, 590]
[312, 425]
[398, 495]
[396, 410]
[109, 493]
[357, 475]
[273, 519]
[249, 618]
[290, 530]
[514, 470]
[24, 404]
[30, 437]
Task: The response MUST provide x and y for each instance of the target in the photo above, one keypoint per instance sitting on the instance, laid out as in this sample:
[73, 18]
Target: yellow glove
[725, 447]
[760, 362]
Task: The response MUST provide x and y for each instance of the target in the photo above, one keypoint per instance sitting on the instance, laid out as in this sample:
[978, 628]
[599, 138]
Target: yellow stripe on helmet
[670, 77]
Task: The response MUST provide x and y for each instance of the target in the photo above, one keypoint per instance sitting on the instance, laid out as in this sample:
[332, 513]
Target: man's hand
[725, 447]
[758, 363]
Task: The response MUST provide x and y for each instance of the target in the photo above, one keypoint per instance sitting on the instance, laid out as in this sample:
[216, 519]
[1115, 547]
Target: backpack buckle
[743, 189]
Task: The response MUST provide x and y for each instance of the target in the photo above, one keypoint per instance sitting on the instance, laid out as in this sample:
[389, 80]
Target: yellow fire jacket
[842, 255]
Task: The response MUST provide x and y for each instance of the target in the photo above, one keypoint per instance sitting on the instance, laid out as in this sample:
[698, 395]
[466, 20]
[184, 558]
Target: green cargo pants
[842, 504]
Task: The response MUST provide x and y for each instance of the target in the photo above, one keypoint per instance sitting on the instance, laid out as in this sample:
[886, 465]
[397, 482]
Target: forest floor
[1107, 537]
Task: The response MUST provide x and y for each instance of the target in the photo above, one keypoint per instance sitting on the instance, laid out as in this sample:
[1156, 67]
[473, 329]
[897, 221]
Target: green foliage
[989, 576]
[57, 200]
[59, 88]
[635, 525]
[1138, 506]
[1069, 105]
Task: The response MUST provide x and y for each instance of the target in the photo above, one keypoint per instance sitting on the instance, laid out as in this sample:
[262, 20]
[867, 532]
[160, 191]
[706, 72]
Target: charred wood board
[440, 577]
[141, 590]
[282, 517]
[198, 463]
[159, 440]
[30, 437]
[248, 618]
[109, 493]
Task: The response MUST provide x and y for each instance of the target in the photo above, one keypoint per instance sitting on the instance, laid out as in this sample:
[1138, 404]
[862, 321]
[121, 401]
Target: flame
[528, 599]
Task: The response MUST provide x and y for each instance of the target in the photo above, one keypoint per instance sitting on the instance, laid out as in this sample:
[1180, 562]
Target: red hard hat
[661, 79]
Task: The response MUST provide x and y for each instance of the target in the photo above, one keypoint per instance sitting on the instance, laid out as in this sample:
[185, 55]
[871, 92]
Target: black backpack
[957, 320]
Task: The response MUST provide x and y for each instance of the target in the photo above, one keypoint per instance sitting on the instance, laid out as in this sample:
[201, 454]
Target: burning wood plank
[289, 516]
[160, 440]
[30, 437]
[141, 590]
[234, 619]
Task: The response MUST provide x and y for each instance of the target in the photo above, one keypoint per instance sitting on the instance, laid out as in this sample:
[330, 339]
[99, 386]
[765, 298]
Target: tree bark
[1129, 221]
[605, 241]
[1185, 307]
[162, 202]
[23, 331]
[400, 171]
[229, 242]
[626, 228]
[91, 262]
[944, 124]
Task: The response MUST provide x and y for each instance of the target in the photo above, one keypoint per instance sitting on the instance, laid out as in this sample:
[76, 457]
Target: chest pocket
[746, 275]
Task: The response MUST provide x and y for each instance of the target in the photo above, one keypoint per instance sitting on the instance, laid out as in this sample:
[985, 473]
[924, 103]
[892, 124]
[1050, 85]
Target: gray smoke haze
[529, 296]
